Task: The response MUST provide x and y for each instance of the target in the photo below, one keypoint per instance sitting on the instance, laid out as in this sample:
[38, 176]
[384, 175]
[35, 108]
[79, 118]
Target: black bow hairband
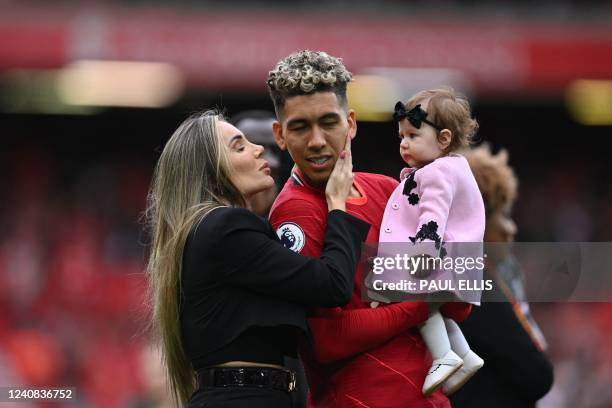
[415, 115]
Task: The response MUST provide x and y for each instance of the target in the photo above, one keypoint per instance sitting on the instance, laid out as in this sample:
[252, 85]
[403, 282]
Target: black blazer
[236, 274]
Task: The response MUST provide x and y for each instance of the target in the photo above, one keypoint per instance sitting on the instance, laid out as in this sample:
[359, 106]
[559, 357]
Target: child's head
[432, 124]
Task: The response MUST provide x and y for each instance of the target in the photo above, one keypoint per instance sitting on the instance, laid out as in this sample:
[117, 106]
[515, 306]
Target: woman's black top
[516, 374]
[243, 294]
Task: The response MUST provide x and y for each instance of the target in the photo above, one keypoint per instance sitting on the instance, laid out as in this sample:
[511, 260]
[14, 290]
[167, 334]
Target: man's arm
[307, 222]
[345, 333]
[340, 333]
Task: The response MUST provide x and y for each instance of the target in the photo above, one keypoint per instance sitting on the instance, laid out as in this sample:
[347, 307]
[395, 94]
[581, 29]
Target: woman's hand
[340, 180]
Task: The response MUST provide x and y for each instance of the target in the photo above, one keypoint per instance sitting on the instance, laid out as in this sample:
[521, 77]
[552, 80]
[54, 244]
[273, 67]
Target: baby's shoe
[441, 369]
[471, 364]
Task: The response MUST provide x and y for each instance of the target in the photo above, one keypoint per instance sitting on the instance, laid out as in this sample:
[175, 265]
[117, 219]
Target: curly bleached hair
[496, 180]
[449, 110]
[306, 72]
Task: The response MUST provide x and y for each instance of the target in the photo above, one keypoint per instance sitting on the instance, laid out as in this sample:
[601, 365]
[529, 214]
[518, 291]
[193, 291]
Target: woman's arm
[243, 254]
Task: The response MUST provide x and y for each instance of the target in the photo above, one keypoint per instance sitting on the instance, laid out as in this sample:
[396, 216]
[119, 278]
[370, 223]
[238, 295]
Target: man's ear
[350, 117]
[444, 138]
[277, 129]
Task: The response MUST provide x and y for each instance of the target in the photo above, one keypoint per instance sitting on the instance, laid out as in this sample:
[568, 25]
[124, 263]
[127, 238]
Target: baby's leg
[435, 335]
[471, 361]
[457, 340]
[445, 361]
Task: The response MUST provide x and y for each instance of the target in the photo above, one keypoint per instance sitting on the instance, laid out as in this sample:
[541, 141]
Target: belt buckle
[292, 381]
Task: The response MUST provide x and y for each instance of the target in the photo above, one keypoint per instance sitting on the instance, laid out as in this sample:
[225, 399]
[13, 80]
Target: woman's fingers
[347, 152]
[347, 143]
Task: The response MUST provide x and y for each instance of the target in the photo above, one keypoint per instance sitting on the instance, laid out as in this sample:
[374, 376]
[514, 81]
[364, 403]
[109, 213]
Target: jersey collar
[298, 180]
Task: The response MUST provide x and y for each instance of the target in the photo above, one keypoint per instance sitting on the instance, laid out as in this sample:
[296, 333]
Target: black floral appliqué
[430, 231]
[427, 231]
[443, 252]
[409, 185]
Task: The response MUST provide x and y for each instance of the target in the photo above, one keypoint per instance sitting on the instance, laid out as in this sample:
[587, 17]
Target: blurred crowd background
[90, 90]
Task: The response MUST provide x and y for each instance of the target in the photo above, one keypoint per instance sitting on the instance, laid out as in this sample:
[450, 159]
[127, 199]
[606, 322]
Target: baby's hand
[425, 268]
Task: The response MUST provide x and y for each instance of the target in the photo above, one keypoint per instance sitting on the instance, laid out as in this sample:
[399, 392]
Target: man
[362, 356]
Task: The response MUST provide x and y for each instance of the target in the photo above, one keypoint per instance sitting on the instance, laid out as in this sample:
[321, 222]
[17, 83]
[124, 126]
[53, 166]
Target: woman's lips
[265, 167]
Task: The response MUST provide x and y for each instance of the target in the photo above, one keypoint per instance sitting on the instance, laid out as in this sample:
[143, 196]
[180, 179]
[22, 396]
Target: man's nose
[317, 138]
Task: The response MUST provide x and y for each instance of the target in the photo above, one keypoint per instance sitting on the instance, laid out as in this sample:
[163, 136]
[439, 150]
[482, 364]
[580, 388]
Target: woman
[517, 372]
[228, 298]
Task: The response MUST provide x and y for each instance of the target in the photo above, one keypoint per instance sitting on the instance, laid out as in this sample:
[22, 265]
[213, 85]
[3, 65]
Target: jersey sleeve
[458, 311]
[306, 219]
[345, 333]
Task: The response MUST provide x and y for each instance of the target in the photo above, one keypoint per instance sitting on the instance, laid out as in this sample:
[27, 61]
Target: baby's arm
[435, 191]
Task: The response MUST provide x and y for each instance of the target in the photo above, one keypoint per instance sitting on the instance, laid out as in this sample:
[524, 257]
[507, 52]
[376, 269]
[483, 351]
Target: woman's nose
[259, 149]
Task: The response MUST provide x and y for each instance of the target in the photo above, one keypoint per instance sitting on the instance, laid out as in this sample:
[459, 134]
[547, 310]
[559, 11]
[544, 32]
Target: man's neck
[354, 192]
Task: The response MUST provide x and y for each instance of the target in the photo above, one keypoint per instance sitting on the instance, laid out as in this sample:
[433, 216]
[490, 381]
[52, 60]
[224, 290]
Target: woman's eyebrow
[234, 138]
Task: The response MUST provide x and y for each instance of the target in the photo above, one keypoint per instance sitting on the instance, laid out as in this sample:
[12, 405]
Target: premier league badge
[291, 236]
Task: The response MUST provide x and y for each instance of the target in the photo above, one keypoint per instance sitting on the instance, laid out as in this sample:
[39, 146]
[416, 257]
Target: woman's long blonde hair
[191, 178]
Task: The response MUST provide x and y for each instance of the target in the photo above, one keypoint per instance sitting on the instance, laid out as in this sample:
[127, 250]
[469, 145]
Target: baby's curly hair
[496, 180]
[306, 72]
[450, 110]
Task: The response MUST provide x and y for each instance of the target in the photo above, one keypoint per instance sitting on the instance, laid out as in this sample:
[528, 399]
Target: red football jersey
[362, 357]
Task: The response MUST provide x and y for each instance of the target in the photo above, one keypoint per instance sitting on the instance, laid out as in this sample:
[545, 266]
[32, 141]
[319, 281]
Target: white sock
[457, 340]
[433, 332]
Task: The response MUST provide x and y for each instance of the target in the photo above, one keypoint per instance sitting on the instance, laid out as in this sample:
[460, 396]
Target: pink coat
[447, 194]
[441, 203]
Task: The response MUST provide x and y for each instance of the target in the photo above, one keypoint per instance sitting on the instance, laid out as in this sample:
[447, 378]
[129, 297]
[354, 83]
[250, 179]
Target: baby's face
[419, 147]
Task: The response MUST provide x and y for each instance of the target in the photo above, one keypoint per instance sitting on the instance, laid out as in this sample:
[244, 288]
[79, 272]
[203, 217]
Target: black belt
[260, 377]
